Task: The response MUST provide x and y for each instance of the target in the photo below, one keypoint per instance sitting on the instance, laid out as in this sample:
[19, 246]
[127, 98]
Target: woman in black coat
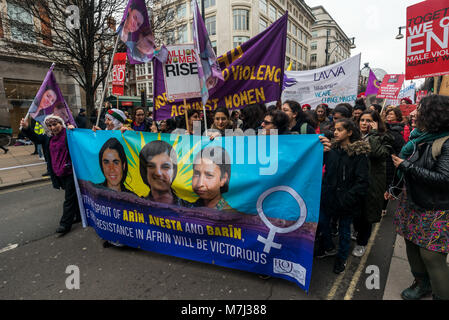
[345, 184]
[423, 214]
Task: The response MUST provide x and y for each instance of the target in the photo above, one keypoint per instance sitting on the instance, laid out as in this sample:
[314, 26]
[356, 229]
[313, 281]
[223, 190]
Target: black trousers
[71, 209]
[363, 228]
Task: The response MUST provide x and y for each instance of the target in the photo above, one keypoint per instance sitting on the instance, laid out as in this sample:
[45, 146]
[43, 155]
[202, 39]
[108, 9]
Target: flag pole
[186, 116]
[205, 118]
[106, 81]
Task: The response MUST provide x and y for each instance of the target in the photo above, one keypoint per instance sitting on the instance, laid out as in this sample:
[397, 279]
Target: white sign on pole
[181, 73]
[333, 84]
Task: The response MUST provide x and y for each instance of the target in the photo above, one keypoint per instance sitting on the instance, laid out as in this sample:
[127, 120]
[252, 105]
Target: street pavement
[35, 267]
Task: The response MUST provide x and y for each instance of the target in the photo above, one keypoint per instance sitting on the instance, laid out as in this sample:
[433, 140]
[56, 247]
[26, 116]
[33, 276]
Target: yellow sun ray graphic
[183, 181]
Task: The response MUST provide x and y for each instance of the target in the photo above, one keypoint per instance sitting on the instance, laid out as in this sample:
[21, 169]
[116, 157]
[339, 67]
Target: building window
[171, 37]
[314, 34]
[272, 12]
[214, 46]
[239, 41]
[21, 23]
[313, 58]
[182, 34]
[313, 46]
[299, 52]
[241, 19]
[209, 3]
[262, 25]
[293, 52]
[181, 11]
[211, 25]
[263, 6]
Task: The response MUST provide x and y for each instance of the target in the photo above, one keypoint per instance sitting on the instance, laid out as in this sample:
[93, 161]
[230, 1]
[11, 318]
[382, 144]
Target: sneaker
[339, 266]
[46, 174]
[359, 251]
[354, 235]
[326, 253]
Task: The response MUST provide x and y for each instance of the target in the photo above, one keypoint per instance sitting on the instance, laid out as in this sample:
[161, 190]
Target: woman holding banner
[55, 143]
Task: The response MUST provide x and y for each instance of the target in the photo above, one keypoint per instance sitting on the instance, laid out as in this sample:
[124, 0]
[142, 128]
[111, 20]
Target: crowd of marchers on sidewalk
[372, 155]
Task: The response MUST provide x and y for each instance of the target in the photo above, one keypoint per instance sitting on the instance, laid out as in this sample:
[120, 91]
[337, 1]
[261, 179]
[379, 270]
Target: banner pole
[383, 106]
[205, 119]
[106, 81]
[186, 116]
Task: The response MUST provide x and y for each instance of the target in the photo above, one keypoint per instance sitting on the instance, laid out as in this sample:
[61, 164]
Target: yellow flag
[289, 66]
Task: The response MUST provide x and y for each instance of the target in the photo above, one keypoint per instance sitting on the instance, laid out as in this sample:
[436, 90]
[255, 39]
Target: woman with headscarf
[55, 145]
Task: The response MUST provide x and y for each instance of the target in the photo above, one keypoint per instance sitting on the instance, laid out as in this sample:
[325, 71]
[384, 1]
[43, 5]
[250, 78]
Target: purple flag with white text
[136, 32]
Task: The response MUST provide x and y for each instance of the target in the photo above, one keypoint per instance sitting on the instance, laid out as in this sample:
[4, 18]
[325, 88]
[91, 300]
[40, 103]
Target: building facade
[21, 75]
[229, 24]
[326, 30]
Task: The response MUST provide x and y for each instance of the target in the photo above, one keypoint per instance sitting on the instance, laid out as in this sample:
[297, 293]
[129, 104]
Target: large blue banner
[244, 202]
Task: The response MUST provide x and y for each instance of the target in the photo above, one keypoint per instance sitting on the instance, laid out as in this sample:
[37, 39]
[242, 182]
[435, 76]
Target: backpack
[437, 145]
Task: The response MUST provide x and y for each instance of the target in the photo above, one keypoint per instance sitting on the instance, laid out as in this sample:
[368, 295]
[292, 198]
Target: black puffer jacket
[426, 179]
[395, 131]
[346, 179]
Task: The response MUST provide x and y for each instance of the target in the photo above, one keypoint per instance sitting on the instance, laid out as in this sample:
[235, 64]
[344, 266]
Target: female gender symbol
[269, 241]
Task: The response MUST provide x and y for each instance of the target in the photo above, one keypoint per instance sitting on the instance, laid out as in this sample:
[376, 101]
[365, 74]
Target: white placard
[333, 84]
[181, 73]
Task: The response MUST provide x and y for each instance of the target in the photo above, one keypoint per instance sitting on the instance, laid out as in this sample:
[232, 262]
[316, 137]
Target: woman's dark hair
[220, 157]
[376, 118]
[280, 120]
[301, 116]
[433, 114]
[397, 111]
[359, 107]
[191, 112]
[171, 125]
[344, 109]
[349, 125]
[252, 116]
[378, 107]
[114, 144]
[223, 110]
[151, 150]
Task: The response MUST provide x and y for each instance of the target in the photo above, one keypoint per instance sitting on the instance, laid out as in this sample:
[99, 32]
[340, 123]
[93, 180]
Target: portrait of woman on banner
[158, 169]
[113, 165]
[211, 176]
[42, 104]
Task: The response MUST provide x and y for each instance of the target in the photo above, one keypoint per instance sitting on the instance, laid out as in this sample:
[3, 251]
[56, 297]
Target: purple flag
[208, 70]
[252, 73]
[373, 84]
[136, 32]
[49, 100]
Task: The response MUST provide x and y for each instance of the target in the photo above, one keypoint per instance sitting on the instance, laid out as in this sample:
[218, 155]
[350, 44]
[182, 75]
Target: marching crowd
[372, 155]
